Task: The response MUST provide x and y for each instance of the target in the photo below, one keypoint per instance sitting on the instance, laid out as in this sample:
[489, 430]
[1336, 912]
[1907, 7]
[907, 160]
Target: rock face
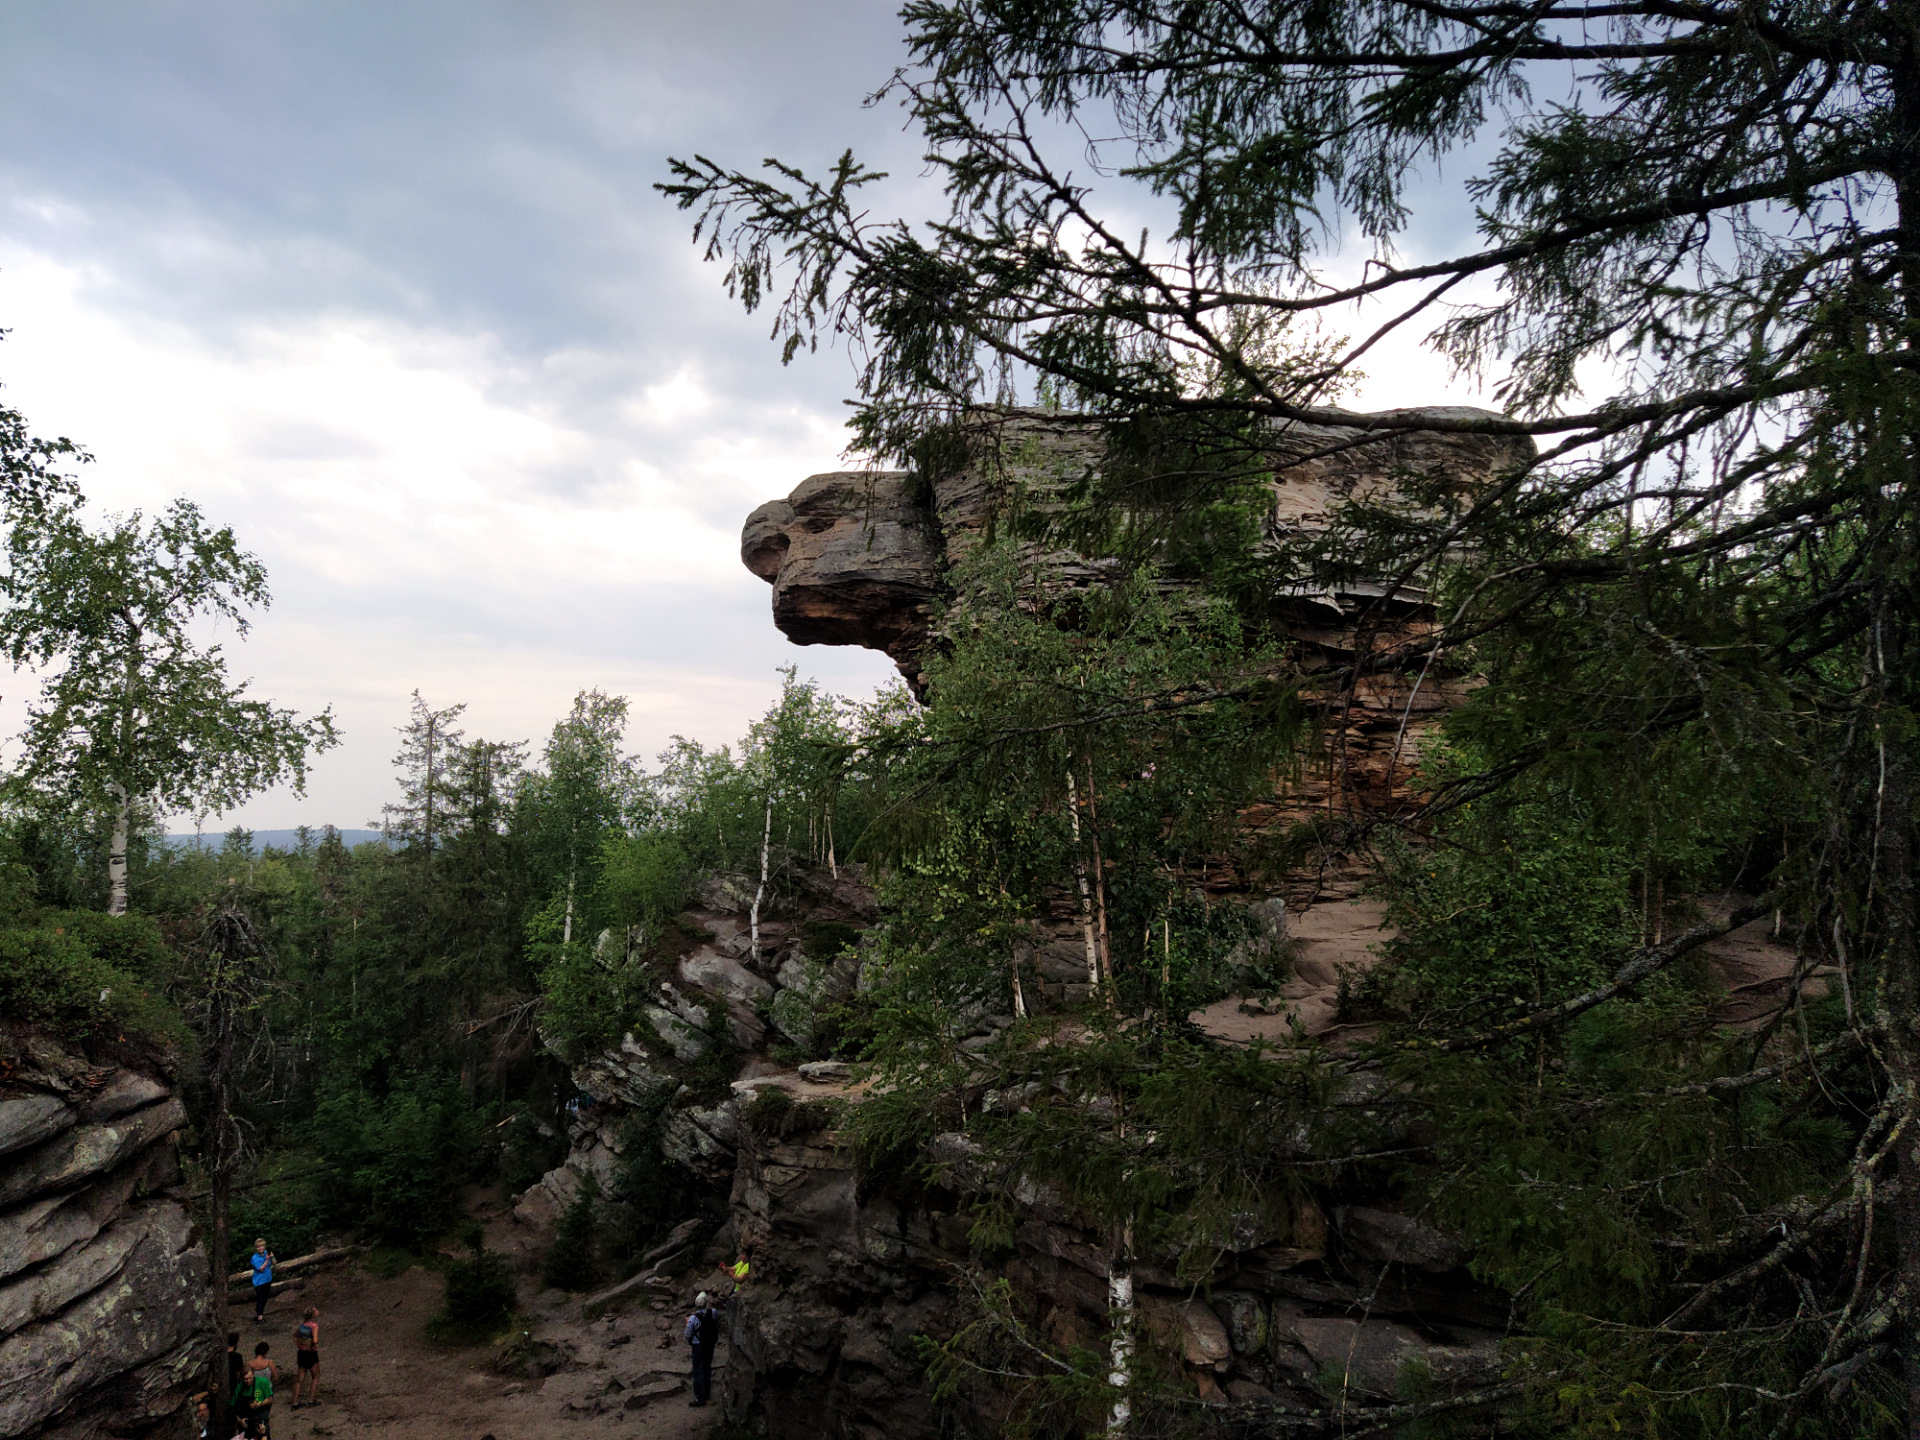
[719, 982]
[105, 1314]
[848, 1271]
[858, 557]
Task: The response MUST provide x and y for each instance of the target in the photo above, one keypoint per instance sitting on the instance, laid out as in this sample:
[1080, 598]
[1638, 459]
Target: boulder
[126, 1090]
[857, 557]
[686, 1043]
[725, 894]
[28, 1119]
[1382, 1357]
[87, 1150]
[1388, 1238]
[701, 1139]
[853, 559]
[723, 976]
[1244, 1313]
[1189, 1329]
[104, 1298]
[627, 1075]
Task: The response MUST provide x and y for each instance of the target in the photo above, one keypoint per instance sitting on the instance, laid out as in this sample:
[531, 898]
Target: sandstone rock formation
[1348, 1303]
[105, 1317]
[859, 557]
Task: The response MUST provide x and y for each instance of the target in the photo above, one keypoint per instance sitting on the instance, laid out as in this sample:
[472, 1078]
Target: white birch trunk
[1120, 1355]
[566, 930]
[1086, 893]
[766, 840]
[117, 850]
[1019, 995]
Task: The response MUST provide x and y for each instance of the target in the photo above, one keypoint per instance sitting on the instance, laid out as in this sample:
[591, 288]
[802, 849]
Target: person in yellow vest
[740, 1269]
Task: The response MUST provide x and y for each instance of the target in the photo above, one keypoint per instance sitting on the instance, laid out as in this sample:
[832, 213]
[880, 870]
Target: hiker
[306, 1355]
[740, 1269]
[265, 1375]
[703, 1333]
[262, 1262]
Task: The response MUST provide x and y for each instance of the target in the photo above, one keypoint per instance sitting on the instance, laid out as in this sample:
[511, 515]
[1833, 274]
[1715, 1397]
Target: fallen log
[238, 1294]
[318, 1257]
[668, 1249]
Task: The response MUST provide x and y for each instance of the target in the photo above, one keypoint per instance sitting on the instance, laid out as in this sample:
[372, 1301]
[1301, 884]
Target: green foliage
[398, 1157]
[655, 1194]
[1523, 906]
[828, 939]
[479, 1299]
[290, 1215]
[51, 978]
[646, 877]
[81, 973]
[573, 1261]
[526, 1154]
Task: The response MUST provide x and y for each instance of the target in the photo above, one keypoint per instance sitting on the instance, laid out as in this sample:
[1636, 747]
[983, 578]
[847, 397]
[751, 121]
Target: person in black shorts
[306, 1354]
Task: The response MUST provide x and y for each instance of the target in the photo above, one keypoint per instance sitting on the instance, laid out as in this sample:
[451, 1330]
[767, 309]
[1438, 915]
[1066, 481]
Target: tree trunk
[766, 841]
[1086, 893]
[224, 982]
[1120, 1354]
[1099, 885]
[117, 849]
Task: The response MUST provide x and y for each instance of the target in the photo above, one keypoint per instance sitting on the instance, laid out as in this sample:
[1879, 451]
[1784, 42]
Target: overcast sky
[386, 286]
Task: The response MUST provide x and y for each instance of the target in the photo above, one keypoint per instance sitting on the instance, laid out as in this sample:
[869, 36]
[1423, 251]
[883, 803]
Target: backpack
[706, 1326]
[303, 1335]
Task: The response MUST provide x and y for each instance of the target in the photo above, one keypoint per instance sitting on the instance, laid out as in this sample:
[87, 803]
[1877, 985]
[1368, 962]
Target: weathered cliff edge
[861, 557]
[105, 1318]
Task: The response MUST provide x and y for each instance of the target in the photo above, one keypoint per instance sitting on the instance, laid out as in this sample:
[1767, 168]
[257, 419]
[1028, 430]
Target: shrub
[526, 1154]
[480, 1298]
[571, 1262]
[52, 978]
[400, 1156]
[76, 973]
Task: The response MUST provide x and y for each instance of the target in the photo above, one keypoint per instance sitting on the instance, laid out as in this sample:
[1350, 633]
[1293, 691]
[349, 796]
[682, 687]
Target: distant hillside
[279, 839]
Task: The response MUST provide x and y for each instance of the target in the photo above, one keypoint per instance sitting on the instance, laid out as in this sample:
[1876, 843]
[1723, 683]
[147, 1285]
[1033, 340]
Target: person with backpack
[703, 1334]
[306, 1355]
[262, 1262]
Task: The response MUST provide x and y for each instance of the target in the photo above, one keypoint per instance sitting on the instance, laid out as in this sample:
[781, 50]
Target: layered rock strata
[860, 557]
[105, 1312]
[760, 999]
[1348, 1304]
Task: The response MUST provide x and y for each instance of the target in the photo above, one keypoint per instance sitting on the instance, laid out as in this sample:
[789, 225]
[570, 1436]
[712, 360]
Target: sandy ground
[381, 1378]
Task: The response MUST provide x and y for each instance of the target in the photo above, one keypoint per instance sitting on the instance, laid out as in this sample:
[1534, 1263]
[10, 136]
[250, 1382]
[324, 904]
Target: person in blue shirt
[262, 1262]
[703, 1333]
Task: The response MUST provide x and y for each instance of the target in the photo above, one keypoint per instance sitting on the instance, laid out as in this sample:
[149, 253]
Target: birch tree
[582, 794]
[136, 716]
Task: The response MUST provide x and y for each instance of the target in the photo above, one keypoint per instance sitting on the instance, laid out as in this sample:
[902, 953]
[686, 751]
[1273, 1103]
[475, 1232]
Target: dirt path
[382, 1379]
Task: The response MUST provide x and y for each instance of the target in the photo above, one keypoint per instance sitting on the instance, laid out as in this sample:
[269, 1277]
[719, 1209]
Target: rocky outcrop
[762, 999]
[1346, 1303]
[859, 557]
[105, 1312]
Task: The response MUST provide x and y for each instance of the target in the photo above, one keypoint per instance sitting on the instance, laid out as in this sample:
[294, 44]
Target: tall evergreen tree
[430, 750]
